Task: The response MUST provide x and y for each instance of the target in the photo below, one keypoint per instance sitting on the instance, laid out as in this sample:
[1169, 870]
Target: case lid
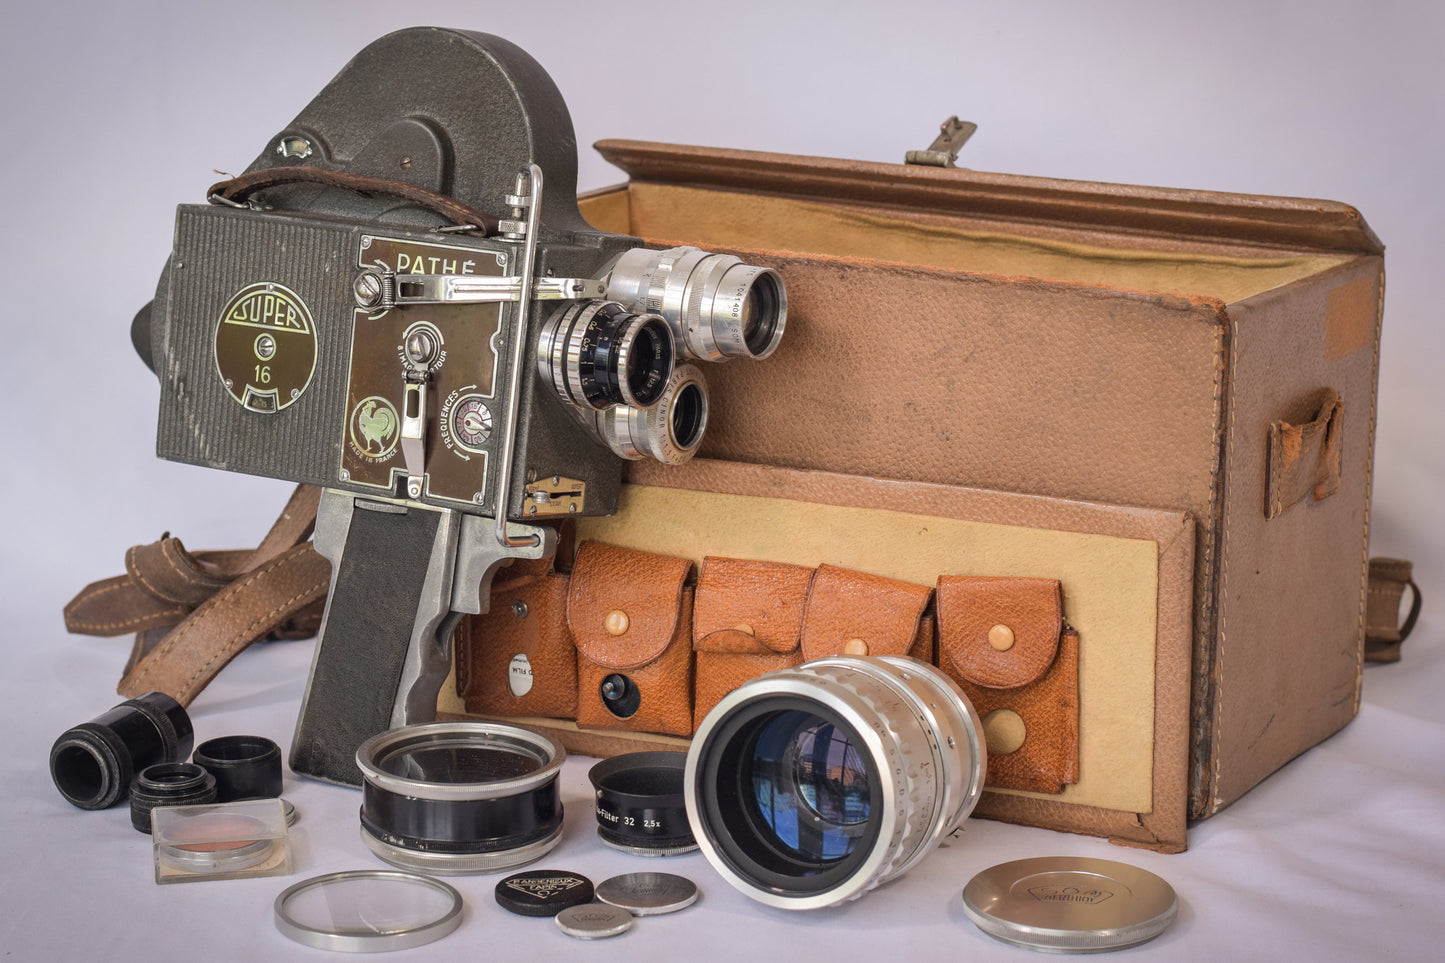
[1070, 904]
[1297, 223]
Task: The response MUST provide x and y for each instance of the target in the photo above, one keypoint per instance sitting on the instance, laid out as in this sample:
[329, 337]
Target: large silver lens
[808, 787]
[670, 432]
[718, 307]
[597, 354]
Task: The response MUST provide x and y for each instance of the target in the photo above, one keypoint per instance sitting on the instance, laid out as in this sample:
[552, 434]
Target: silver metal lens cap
[1070, 904]
[648, 894]
[594, 921]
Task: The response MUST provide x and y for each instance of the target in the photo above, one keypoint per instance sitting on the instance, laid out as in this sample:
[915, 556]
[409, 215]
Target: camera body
[399, 302]
[271, 367]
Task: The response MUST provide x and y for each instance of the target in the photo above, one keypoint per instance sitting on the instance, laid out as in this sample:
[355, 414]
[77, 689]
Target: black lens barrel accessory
[168, 784]
[460, 797]
[94, 763]
[245, 767]
[640, 806]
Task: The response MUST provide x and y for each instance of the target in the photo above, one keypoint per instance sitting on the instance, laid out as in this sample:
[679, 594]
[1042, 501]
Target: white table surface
[1338, 856]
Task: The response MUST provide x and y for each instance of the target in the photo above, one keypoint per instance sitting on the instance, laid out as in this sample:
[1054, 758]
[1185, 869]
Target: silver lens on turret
[808, 787]
[597, 353]
[670, 431]
[717, 306]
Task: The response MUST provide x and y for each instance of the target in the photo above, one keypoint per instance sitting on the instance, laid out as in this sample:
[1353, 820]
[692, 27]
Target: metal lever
[462, 289]
[419, 354]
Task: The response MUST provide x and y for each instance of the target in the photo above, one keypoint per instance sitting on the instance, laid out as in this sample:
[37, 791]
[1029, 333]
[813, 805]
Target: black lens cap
[543, 892]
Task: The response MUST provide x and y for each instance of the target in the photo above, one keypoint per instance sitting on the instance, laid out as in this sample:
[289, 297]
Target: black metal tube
[93, 763]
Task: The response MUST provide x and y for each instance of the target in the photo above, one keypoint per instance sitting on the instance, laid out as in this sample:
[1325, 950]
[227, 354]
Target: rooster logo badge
[373, 428]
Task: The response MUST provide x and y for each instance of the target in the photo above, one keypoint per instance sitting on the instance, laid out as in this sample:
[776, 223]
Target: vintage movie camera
[399, 302]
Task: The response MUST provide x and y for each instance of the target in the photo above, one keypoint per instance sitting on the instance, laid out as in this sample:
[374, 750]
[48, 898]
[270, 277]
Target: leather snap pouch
[854, 613]
[747, 620]
[1003, 641]
[630, 614]
[517, 658]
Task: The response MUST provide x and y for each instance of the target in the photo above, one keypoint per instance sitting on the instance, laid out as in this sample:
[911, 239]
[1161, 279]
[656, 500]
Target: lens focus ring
[717, 306]
[597, 354]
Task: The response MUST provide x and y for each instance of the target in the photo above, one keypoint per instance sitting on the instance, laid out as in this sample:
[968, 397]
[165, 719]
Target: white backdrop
[114, 113]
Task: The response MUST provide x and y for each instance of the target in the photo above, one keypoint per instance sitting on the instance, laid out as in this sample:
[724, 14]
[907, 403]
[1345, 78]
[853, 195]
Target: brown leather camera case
[1210, 355]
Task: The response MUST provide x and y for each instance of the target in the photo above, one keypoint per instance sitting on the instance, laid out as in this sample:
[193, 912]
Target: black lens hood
[640, 804]
[245, 767]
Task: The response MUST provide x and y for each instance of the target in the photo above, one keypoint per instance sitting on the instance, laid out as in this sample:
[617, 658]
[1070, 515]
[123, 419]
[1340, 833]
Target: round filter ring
[460, 797]
[356, 911]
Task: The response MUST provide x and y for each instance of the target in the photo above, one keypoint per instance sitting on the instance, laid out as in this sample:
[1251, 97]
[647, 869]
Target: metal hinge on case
[943, 152]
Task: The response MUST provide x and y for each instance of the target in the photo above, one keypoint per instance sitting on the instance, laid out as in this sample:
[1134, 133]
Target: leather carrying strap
[207, 593]
[229, 621]
[240, 189]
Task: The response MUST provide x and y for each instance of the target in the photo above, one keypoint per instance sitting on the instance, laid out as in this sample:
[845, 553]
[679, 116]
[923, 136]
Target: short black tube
[168, 784]
[93, 763]
[245, 767]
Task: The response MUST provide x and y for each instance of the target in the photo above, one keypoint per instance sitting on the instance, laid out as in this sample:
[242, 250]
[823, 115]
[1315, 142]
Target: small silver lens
[808, 787]
[669, 432]
[718, 307]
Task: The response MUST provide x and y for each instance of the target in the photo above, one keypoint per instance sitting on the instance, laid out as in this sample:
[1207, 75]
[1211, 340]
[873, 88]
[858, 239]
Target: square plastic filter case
[234, 840]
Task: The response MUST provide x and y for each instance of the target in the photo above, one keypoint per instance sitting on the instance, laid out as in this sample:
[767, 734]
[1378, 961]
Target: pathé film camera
[449, 386]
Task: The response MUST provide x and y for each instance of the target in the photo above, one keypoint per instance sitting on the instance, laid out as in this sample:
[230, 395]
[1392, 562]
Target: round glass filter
[1070, 904]
[367, 911]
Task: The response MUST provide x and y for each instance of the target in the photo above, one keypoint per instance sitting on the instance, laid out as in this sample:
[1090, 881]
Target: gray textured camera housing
[465, 111]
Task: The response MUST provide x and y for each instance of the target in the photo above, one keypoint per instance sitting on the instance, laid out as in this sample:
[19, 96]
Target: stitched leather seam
[170, 549]
[229, 650]
[1369, 481]
[1223, 440]
[133, 567]
[183, 631]
[108, 628]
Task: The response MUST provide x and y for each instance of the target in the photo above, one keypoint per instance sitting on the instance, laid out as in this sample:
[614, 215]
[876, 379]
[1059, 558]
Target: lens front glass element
[808, 786]
[450, 762]
[792, 796]
[762, 310]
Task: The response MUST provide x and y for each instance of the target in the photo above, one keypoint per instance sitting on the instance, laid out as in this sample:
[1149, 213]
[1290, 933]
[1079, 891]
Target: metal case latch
[943, 152]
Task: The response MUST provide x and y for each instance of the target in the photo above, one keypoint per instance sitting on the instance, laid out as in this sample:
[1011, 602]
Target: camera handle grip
[402, 575]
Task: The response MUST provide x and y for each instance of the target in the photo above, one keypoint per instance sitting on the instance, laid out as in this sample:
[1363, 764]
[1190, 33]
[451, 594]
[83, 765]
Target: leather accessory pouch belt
[630, 614]
[1002, 640]
[517, 658]
[748, 620]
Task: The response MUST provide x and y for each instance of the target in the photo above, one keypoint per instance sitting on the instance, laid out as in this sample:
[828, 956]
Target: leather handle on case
[1305, 459]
